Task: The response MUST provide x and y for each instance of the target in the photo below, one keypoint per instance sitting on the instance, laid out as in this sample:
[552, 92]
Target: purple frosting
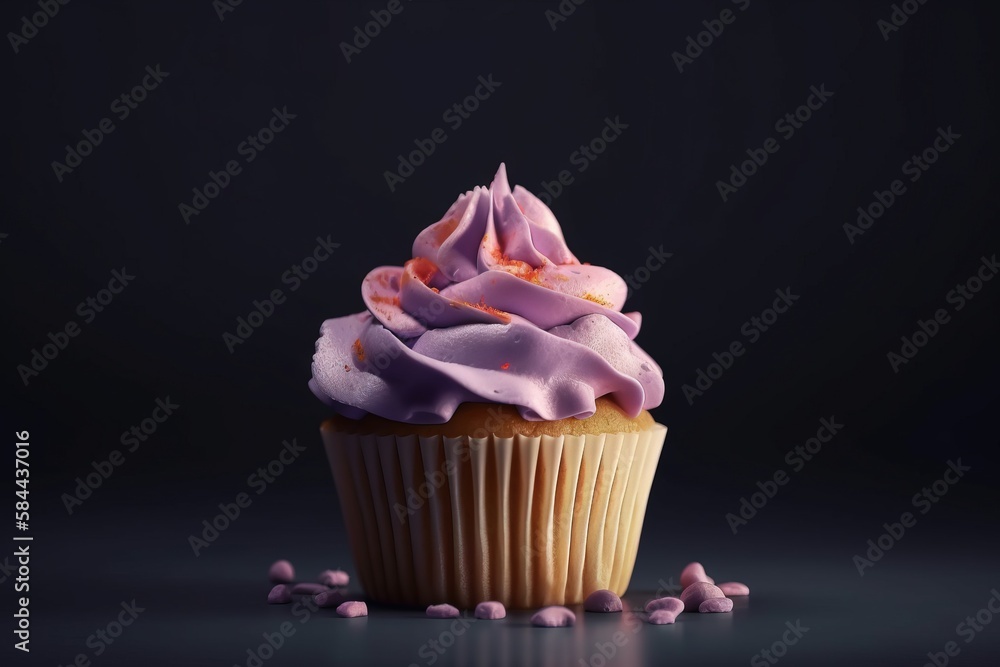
[493, 308]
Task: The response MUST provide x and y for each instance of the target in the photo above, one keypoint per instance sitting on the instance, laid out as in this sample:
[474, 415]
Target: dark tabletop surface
[210, 609]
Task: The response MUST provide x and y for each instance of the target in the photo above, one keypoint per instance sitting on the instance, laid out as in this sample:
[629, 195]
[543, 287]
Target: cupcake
[491, 438]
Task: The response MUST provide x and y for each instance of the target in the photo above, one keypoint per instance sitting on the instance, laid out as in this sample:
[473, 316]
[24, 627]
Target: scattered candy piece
[352, 609]
[670, 604]
[280, 594]
[281, 572]
[698, 592]
[328, 598]
[490, 611]
[553, 617]
[304, 588]
[694, 572]
[715, 605]
[442, 611]
[733, 588]
[662, 617]
[602, 600]
[333, 578]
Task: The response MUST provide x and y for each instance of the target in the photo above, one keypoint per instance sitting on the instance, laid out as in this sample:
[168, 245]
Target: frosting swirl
[493, 307]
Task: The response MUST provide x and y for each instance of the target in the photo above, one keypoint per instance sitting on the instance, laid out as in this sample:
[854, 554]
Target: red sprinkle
[505, 365]
[423, 269]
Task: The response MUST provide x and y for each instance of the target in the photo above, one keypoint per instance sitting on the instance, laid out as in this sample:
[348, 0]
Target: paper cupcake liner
[528, 521]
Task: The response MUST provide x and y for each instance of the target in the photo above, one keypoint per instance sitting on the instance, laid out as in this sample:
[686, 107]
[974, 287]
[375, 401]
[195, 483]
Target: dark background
[654, 186]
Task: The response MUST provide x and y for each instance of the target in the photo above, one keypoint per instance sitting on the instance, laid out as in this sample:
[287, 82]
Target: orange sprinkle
[516, 267]
[359, 349]
[596, 299]
[443, 229]
[435, 290]
[377, 298]
[505, 365]
[424, 269]
[488, 309]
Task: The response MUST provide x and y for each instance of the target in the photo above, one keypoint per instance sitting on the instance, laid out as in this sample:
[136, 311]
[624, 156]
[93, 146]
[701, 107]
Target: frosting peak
[493, 307]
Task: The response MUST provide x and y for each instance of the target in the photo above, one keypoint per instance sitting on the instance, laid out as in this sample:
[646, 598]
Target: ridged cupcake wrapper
[528, 521]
